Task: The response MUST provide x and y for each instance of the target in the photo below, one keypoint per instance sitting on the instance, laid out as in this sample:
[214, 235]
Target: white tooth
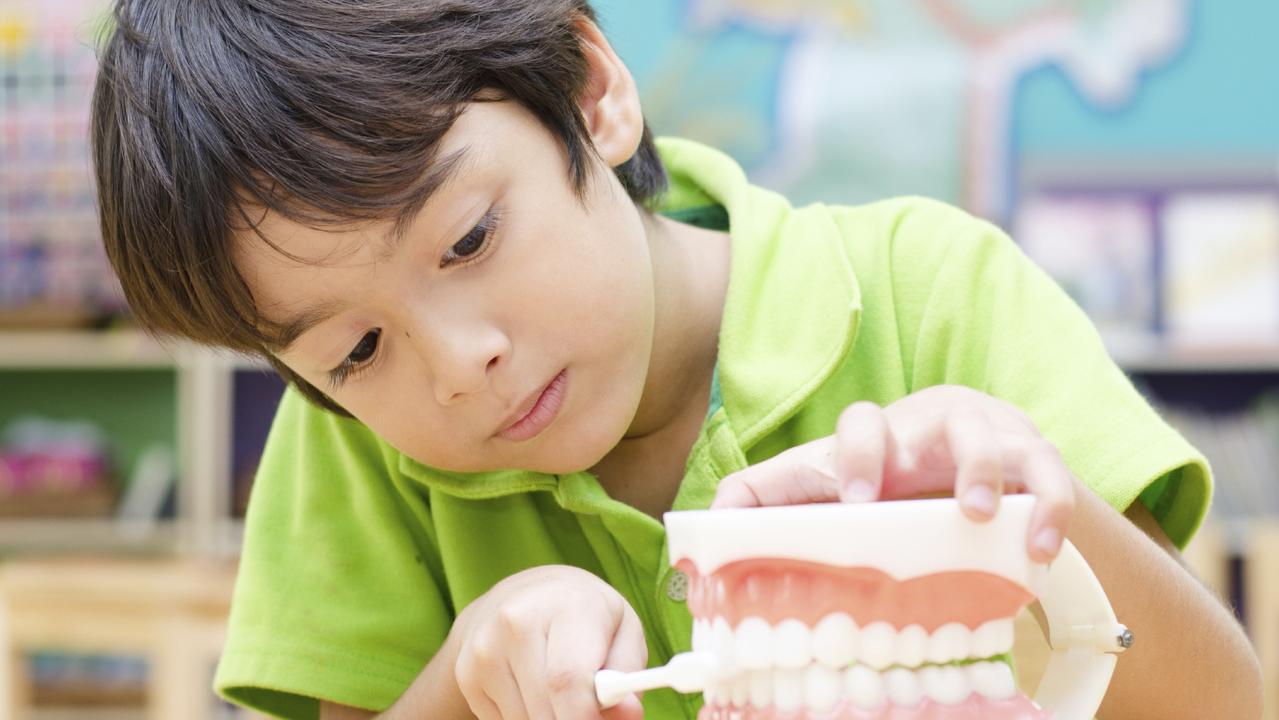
[761, 688]
[903, 687]
[949, 642]
[722, 640]
[864, 687]
[740, 689]
[701, 635]
[912, 646]
[994, 637]
[947, 684]
[711, 694]
[835, 640]
[877, 641]
[792, 644]
[788, 688]
[753, 644]
[821, 687]
[992, 679]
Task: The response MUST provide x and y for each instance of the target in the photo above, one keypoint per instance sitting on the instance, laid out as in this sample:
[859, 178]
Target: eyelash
[487, 227]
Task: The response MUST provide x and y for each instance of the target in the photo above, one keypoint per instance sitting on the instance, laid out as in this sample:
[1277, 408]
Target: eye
[357, 360]
[471, 247]
[365, 349]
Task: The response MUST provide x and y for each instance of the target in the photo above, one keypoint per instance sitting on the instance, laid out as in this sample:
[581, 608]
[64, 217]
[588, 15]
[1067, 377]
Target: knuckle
[560, 681]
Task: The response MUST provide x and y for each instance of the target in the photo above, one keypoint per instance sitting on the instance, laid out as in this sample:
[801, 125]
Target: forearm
[1191, 659]
[434, 694]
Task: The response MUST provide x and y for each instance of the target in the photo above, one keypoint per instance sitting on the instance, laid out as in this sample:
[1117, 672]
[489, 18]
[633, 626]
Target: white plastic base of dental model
[686, 672]
[905, 539]
[1085, 637]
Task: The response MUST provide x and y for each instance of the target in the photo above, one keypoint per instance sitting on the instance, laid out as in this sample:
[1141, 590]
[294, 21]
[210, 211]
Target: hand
[940, 440]
[531, 645]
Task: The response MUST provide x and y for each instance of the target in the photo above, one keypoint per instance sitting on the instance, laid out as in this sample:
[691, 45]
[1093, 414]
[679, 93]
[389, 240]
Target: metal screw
[1126, 639]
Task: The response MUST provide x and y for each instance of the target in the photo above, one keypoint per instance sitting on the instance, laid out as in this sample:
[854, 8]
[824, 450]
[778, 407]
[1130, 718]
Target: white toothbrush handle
[686, 672]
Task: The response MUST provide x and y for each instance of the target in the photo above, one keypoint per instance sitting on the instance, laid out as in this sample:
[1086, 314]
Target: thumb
[804, 474]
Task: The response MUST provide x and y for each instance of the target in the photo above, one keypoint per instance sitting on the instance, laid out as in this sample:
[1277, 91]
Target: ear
[610, 101]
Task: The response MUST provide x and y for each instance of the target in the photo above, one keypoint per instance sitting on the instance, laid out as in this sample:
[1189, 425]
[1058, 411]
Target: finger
[576, 645]
[974, 446]
[797, 476]
[863, 440]
[510, 697]
[1045, 474]
[526, 636]
[627, 652]
[479, 672]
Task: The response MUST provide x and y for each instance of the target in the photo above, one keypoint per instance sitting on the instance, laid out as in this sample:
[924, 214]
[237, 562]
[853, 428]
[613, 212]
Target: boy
[512, 346]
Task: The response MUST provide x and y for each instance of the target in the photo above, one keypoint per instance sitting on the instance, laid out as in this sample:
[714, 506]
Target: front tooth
[701, 634]
[947, 684]
[760, 690]
[877, 645]
[994, 637]
[992, 679]
[835, 640]
[903, 687]
[821, 687]
[912, 646]
[788, 688]
[740, 689]
[949, 642]
[792, 644]
[865, 687]
[722, 640]
[753, 644]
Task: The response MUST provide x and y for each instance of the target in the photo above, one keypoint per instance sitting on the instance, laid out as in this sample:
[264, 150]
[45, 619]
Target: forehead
[466, 157]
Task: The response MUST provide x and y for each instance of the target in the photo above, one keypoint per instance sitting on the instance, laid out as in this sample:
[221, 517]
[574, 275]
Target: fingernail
[1048, 540]
[859, 491]
[981, 498]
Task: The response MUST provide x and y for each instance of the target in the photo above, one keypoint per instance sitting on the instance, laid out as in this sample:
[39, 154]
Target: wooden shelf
[82, 350]
[105, 535]
[1201, 362]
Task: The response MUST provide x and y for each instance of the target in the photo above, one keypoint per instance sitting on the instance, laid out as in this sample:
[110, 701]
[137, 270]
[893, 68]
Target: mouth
[537, 412]
[884, 649]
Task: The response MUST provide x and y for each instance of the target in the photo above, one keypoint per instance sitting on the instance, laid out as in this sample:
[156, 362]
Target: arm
[433, 694]
[1190, 659]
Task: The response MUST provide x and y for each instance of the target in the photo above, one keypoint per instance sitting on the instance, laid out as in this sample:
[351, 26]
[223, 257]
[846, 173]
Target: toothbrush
[686, 672]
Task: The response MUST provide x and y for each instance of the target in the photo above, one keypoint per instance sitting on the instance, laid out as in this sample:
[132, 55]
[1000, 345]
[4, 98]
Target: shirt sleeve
[339, 595]
[989, 318]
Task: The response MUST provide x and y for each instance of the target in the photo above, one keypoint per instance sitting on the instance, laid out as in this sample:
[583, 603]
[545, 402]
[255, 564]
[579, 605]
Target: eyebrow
[440, 174]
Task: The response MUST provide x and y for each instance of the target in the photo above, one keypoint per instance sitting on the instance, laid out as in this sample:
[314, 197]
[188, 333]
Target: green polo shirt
[357, 558]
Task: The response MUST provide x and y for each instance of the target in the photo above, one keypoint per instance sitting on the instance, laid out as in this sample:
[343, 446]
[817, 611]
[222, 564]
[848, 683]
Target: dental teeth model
[881, 611]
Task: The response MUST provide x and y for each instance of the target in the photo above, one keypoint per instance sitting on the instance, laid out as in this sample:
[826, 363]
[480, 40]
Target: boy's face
[436, 341]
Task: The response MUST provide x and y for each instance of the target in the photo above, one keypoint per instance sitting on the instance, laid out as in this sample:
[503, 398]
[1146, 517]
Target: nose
[460, 354]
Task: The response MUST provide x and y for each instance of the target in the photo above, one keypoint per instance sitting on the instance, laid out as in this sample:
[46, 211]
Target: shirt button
[677, 586]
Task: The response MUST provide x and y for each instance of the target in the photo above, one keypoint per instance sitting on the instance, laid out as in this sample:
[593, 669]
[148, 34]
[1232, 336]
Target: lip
[537, 411]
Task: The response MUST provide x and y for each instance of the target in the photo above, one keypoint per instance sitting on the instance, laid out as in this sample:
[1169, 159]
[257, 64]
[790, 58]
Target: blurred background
[1130, 146]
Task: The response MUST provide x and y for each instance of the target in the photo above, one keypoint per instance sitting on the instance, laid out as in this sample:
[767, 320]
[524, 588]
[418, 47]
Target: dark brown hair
[326, 111]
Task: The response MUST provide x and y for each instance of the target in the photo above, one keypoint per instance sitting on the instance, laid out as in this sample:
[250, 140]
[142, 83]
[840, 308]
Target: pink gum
[779, 589]
[975, 707]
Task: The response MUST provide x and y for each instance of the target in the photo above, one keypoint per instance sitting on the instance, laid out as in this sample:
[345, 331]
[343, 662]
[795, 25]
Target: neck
[690, 278]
